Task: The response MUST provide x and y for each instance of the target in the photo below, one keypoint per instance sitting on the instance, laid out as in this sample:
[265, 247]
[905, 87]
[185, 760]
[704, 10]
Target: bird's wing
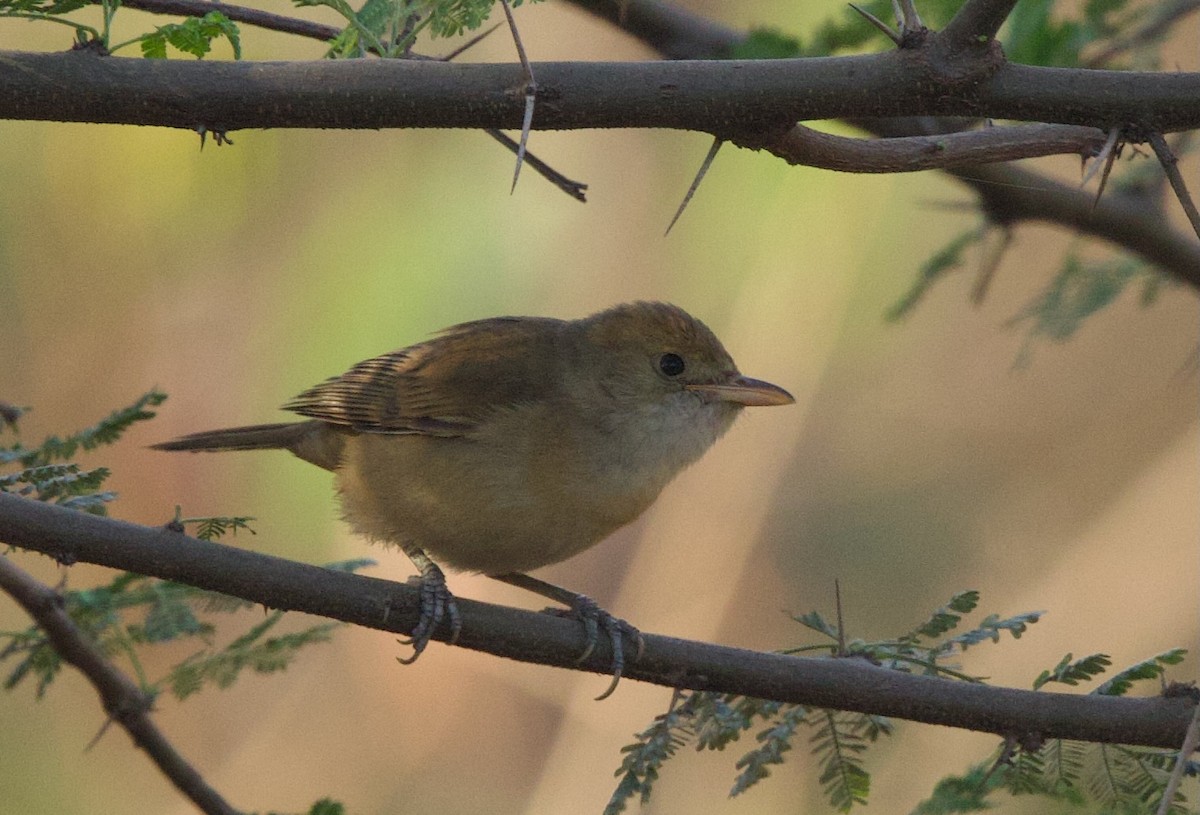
[443, 387]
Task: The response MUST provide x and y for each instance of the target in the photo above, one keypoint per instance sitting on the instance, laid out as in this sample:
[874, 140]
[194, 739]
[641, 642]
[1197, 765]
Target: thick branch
[841, 684]
[977, 21]
[122, 699]
[725, 98]
[1009, 193]
[812, 148]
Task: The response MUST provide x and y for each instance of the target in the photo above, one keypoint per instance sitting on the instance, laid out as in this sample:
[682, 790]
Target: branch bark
[1008, 193]
[725, 98]
[72, 536]
[123, 701]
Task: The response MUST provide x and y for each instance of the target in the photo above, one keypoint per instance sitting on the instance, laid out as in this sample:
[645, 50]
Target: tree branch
[545, 639]
[724, 98]
[908, 154]
[976, 22]
[1008, 193]
[123, 701]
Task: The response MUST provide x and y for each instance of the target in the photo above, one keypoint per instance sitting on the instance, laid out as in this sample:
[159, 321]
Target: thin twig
[124, 702]
[1170, 165]
[318, 31]
[840, 684]
[704, 165]
[1164, 17]
[1190, 741]
[1101, 158]
[575, 189]
[991, 262]
[977, 19]
[878, 23]
[911, 20]
[530, 91]
[841, 618]
[469, 44]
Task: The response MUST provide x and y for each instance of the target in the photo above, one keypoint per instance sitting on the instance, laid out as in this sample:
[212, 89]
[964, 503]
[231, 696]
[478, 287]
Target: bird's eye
[671, 364]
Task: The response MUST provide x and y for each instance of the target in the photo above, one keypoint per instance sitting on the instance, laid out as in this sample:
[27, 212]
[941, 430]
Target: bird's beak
[742, 390]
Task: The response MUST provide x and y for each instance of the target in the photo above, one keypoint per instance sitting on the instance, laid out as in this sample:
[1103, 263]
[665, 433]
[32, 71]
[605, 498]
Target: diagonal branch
[1011, 193]
[910, 154]
[976, 22]
[530, 637]
[124, 702]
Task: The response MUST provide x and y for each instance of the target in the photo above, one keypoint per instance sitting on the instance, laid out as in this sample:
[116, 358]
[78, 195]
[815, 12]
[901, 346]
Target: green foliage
[1119, 779]
[1072, 673]
[67, 484]
[212, 527]
[104, 432]
[924, 648]
[773, 742]
[134, 612]
[389, 27]
[1151, 668]
[1103, 778]
[646, 755]
[840, 741]
[837, 739]
[1078, 291]
[253, 650]
[944, 261]
[1039, 33]
[193, 36]
[49, 11]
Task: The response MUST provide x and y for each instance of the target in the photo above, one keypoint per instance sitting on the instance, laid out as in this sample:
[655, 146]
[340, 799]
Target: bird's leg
[584, 609]
[437, 603]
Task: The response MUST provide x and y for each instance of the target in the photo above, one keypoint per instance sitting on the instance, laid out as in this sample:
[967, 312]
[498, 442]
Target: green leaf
[944, 261]
[1072, 673]
[105, 432]
[193, 36]
[816, 622]
[946, 618]
[1151, 668]
[766, 43]
[773, 743]
[646, 755]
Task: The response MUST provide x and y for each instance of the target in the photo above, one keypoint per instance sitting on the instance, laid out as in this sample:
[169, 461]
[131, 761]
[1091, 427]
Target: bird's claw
[618, 631]
[437, 604]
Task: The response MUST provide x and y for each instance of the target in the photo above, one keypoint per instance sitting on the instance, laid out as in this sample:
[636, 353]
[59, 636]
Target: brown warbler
[511, 443]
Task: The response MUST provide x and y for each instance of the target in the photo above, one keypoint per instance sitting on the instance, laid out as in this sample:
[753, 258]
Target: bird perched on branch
[511, 443]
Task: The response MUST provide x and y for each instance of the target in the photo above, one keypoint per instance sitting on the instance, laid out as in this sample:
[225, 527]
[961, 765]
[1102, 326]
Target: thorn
[708, 160]
[1103, 157]
[530, 92]
[841, 620]
[880, 24]
[471, 43]
[991, 263]
[1170, 166]
[575, 189]
[911, 19]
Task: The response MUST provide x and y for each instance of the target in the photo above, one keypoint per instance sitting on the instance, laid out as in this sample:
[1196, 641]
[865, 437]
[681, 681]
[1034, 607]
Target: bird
[510, 443]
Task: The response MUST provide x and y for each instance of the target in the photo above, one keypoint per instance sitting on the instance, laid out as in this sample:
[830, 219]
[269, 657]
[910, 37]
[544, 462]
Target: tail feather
[312, 441]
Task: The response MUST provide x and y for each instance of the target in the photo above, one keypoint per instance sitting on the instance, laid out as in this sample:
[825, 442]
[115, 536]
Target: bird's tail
[311, 441]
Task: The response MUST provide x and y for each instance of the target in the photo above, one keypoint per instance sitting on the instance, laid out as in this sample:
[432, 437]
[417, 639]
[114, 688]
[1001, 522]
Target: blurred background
[923, 457]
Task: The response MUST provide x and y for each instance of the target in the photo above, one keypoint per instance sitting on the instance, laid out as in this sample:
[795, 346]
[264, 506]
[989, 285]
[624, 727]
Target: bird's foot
[437, 604]
[594, 618]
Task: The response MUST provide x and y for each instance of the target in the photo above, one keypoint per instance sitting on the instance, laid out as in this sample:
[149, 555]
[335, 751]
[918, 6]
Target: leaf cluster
[1103, 778]
[193, 36]
[134, 612]
[1118, 779]
[837, 739]
[67, 484]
